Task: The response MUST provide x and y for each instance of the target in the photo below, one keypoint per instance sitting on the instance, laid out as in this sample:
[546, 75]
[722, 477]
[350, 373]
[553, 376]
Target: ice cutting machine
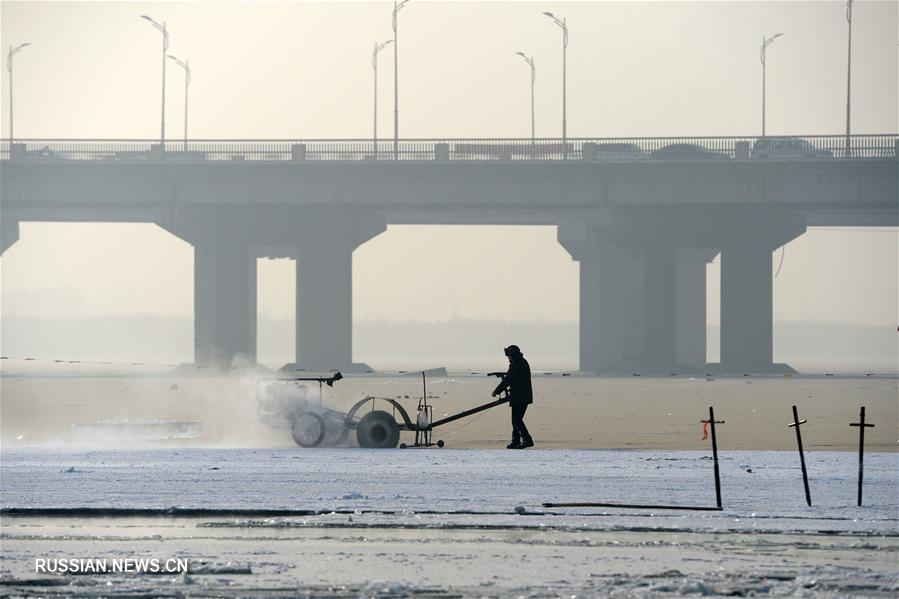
[284, 403]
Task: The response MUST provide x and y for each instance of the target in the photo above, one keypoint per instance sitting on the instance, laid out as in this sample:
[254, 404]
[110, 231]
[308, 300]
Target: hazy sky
[303, 70]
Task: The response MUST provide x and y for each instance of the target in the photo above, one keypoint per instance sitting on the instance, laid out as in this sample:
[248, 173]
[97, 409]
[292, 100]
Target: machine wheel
[336, 431]
[308, 429]
[378, 430]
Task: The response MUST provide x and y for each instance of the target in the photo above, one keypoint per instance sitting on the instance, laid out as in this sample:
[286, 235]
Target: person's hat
[512, 350]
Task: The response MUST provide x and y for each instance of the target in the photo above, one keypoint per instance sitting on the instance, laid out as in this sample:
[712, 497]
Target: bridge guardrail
[817, 147]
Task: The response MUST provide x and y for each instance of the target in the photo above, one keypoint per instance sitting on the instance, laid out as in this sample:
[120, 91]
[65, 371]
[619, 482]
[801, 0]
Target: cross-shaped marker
[711, 421]
[862, 425]
[796, 423]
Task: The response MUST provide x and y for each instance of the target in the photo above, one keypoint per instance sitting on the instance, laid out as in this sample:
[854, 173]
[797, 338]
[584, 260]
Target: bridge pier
[659, 309]
[691, 307]
[611, 326]
[746, 309]
[9, 233]
[324, 308]
[227, 243]
[224, 283]
[224, 303]
[642, 309]
[674, 310]
[324, 291]
[672, 296]
[747, 292]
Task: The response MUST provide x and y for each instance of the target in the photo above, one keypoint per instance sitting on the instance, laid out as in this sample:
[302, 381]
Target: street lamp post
[184, 64]
[165, 47]
[374, 65]
[397, 7]
[12, 52]
[848, 74]
[530, 61]
[561, 23]
[763, 53]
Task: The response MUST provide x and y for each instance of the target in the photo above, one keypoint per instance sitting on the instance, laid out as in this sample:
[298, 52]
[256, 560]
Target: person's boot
[515, 444]
[525, 444]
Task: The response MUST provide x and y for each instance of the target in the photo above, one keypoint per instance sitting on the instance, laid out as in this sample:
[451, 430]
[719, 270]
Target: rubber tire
[308, 429]
[336, 431]
[378, 430]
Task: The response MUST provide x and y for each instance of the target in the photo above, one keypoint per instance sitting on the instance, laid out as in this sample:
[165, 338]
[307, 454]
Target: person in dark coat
[517, 381]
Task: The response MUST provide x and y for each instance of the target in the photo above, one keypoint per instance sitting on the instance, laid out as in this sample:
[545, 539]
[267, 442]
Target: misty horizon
[392, 345]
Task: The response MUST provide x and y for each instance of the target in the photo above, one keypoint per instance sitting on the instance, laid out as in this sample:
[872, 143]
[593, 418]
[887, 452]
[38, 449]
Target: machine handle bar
[481, 408]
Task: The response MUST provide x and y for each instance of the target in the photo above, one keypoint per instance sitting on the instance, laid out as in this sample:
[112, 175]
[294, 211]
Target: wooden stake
[861, 449]
[796, 423]
[712, 422]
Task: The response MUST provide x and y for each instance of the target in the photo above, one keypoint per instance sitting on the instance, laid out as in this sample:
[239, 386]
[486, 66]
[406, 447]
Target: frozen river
[347, 522]
[759, 489]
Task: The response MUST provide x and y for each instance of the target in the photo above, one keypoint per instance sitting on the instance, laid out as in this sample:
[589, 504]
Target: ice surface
[120, 431]
[449, 523]
[760, 490]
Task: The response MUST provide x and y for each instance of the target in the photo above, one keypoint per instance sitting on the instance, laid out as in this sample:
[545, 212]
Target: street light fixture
[397, 7]
[374, 65]
[763, 53]
[561, 23]
[186, 66]
[165, 46]
[12, 52]
[848, 73]
[530, 61]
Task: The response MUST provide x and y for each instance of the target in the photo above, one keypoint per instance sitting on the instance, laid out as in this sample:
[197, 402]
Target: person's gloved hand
[494, 394]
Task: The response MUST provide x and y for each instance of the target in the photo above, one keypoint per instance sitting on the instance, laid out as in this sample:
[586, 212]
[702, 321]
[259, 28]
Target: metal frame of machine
[312, 424]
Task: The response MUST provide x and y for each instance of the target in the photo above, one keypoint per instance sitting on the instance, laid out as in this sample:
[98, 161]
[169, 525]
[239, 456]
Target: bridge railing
[817, 147]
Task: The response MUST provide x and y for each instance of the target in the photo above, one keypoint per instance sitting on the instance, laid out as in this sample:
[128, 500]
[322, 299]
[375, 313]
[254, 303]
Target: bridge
[642, 216]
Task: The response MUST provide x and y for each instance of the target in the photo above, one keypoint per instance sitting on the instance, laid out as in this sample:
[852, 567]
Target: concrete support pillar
[691, 307]
[324, 339]
[224, 303]
[659, 309]
[227, 241]
[325, 241]
[590, 351]
[611, 309]
[9, 233]
[746, 308]
[629, 278]
[602, 322]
